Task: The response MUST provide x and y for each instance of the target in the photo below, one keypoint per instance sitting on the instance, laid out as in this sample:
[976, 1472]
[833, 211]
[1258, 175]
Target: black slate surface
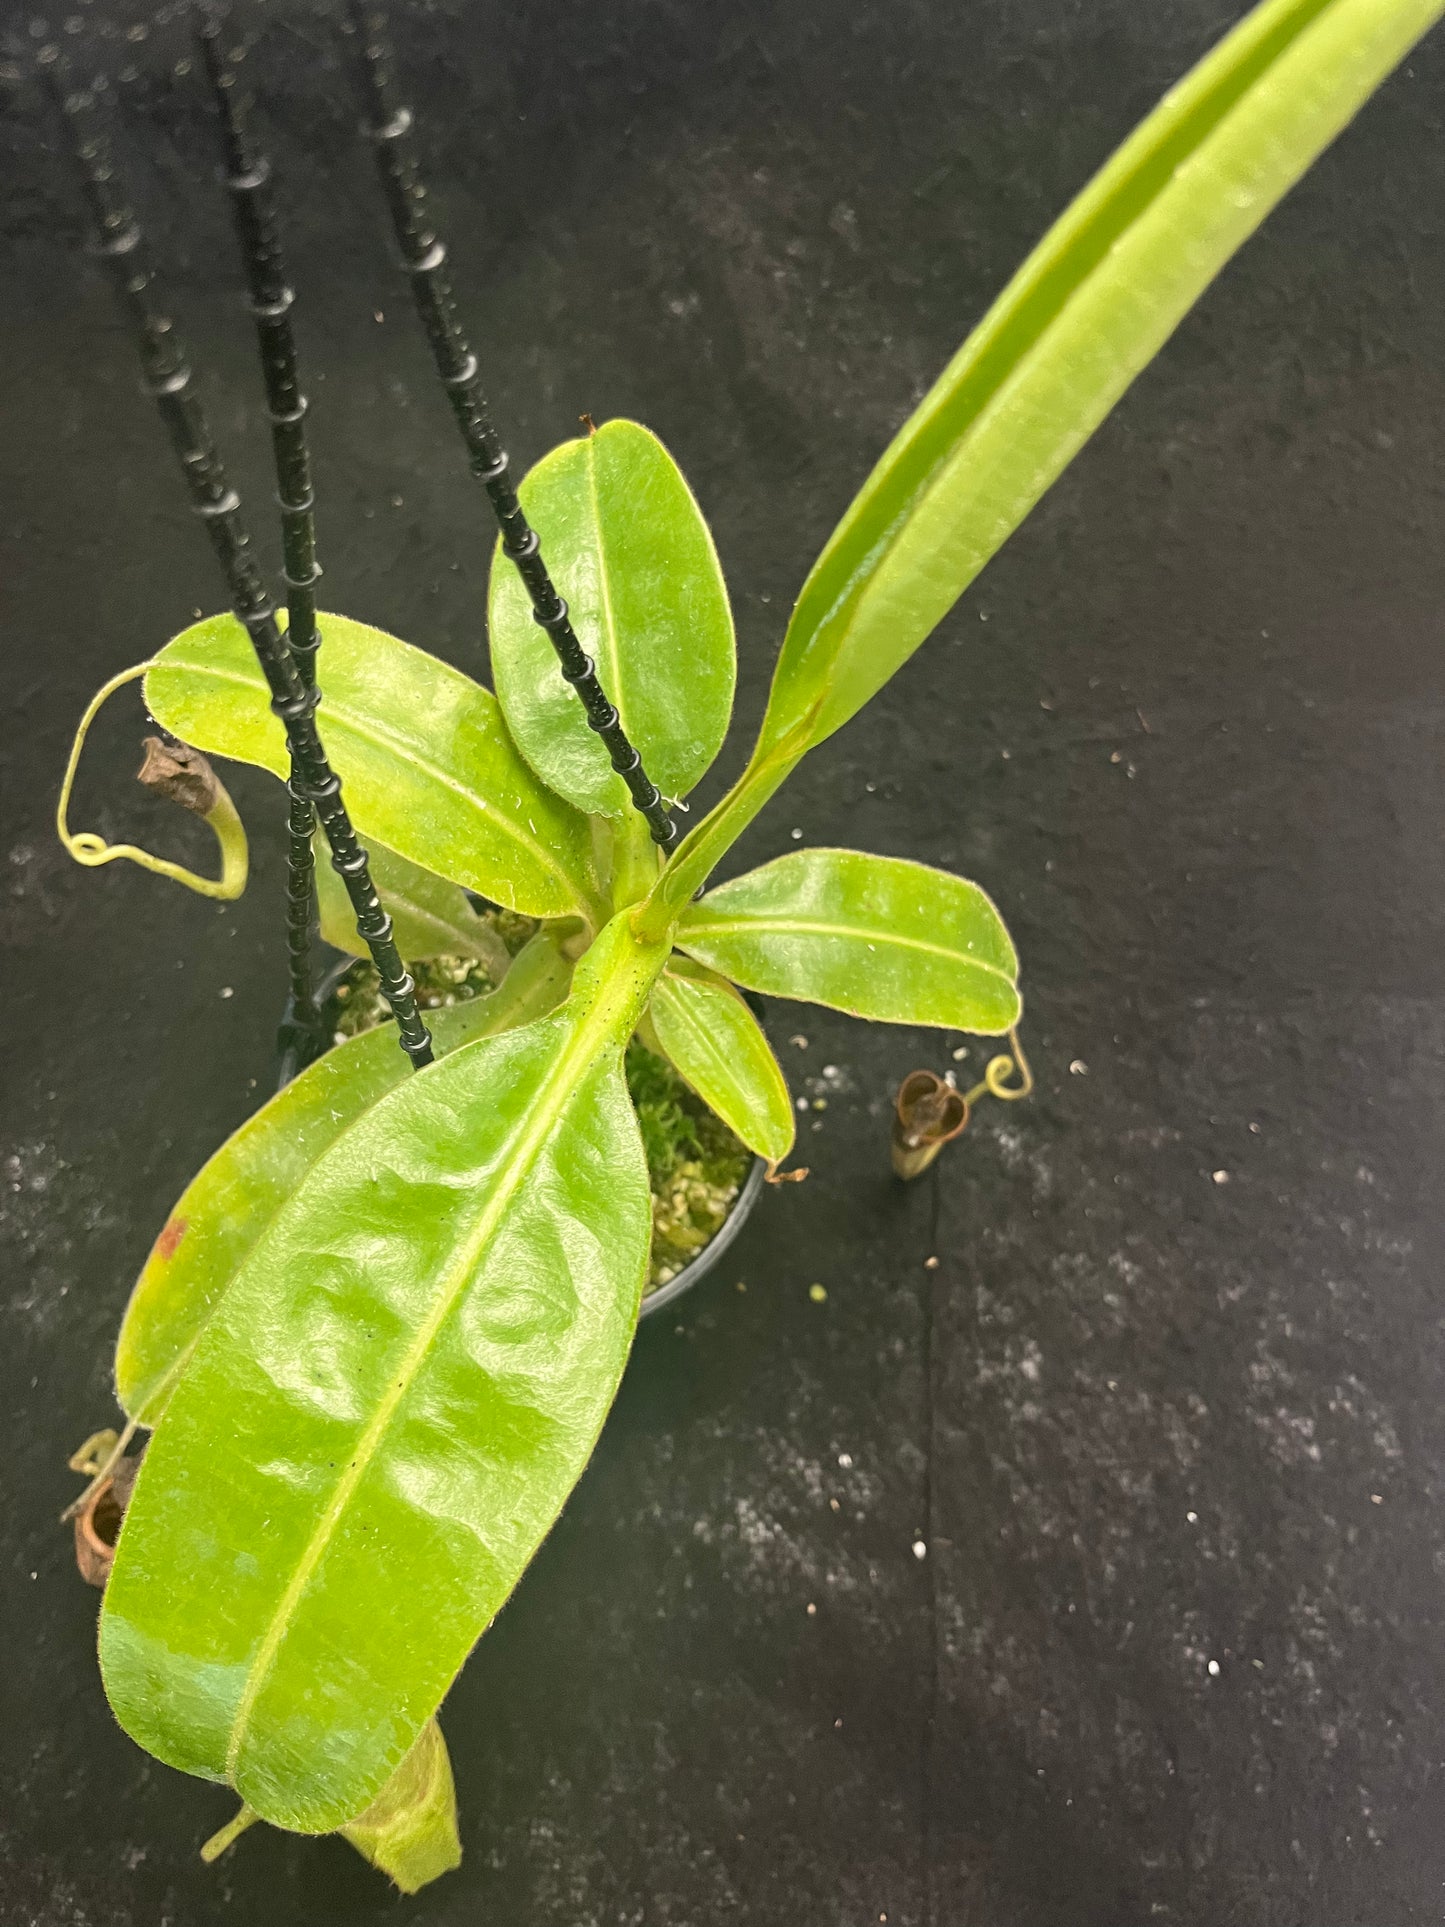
[1165, 1417]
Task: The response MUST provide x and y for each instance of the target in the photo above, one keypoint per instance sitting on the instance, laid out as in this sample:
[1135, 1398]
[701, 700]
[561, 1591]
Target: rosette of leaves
[381, 1330]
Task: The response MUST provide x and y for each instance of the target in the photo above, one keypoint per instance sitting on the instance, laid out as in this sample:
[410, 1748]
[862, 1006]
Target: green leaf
[427, 764]
[628, 548]
[873, 935]
[235, 1196]
[386, 1412]
[1087, 311]
[431, 917]
[410, 1830]
[714, 1041]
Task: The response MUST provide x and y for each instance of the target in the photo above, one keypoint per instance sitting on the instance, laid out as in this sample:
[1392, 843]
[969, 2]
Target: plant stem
[633, 868]
[247, 176]
[704, 848]
[168, 379]
[388, 126]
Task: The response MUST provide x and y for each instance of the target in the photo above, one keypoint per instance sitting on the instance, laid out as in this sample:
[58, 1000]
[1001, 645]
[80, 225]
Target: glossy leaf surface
[718, 1046]
[427, 764]
[873, 935]
[628, 548]
[1087, 311]
[236, 1194]
[430, 916]
[385, 1413]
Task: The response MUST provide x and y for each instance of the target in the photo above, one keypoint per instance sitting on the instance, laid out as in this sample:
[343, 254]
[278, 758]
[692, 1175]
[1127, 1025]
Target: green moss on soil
[357, 1003]
[696, 1165]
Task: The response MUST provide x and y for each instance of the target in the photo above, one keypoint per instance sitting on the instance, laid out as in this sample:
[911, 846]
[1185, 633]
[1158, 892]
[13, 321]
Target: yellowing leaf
[873, 935]
[430, 917]
[1090, 308]
[717, 1044]
[410, 1830]
[237, 1193]
[385, 1413]
[426, 764]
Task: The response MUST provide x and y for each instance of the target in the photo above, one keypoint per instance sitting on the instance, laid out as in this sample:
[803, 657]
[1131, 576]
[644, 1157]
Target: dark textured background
[1186, 730]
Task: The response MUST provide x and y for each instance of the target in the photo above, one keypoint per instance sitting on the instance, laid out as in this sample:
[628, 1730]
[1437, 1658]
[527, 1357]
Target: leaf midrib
[706, 1045]
[615, 690]
[1011, 337]
[557, 1089]
[165, 1382]
[348, 719]
[808, 927]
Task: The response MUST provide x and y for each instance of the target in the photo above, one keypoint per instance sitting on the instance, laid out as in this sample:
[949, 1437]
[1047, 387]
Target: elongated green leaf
[385, 1413]
[628, 548]
[873, 935]
[430, 917]
[717, 1044]
[428, 767]
[234, 1197]
[410, 1830]
[1087, 311]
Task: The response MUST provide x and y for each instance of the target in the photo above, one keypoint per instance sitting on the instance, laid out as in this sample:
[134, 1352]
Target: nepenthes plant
[376, 1339]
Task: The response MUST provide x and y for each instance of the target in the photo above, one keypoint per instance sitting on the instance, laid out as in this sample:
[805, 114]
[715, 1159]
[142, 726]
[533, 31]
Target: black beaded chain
[247, 175]
[168, 380]
[424, 255]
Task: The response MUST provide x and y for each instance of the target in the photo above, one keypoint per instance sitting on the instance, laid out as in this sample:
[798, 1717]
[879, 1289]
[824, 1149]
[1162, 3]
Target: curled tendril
[1002, 1067]
[994, 1082]
[92, 850]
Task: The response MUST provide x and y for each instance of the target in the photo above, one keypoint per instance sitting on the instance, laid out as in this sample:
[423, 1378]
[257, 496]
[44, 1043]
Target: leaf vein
[698, 930]
[557, 1090]
[380, 739]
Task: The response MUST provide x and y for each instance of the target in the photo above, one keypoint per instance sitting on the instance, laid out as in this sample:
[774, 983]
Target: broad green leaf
[873, 935]
[386, 1412]
[1087, 311]
[234, 1197]
[410, 1830]
[430, 916]
[427, 764]
[716, 1043]
[628, 548]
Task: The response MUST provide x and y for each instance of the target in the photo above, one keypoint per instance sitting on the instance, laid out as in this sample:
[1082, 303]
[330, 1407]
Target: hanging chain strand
[247, 176]
[424, 255]
[168, 380]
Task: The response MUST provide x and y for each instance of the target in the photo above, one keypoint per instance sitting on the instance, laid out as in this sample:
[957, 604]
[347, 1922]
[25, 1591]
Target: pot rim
[716, 1245]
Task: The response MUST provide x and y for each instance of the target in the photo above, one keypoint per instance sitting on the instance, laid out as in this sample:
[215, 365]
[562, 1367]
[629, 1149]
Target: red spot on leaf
[168, 1240]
